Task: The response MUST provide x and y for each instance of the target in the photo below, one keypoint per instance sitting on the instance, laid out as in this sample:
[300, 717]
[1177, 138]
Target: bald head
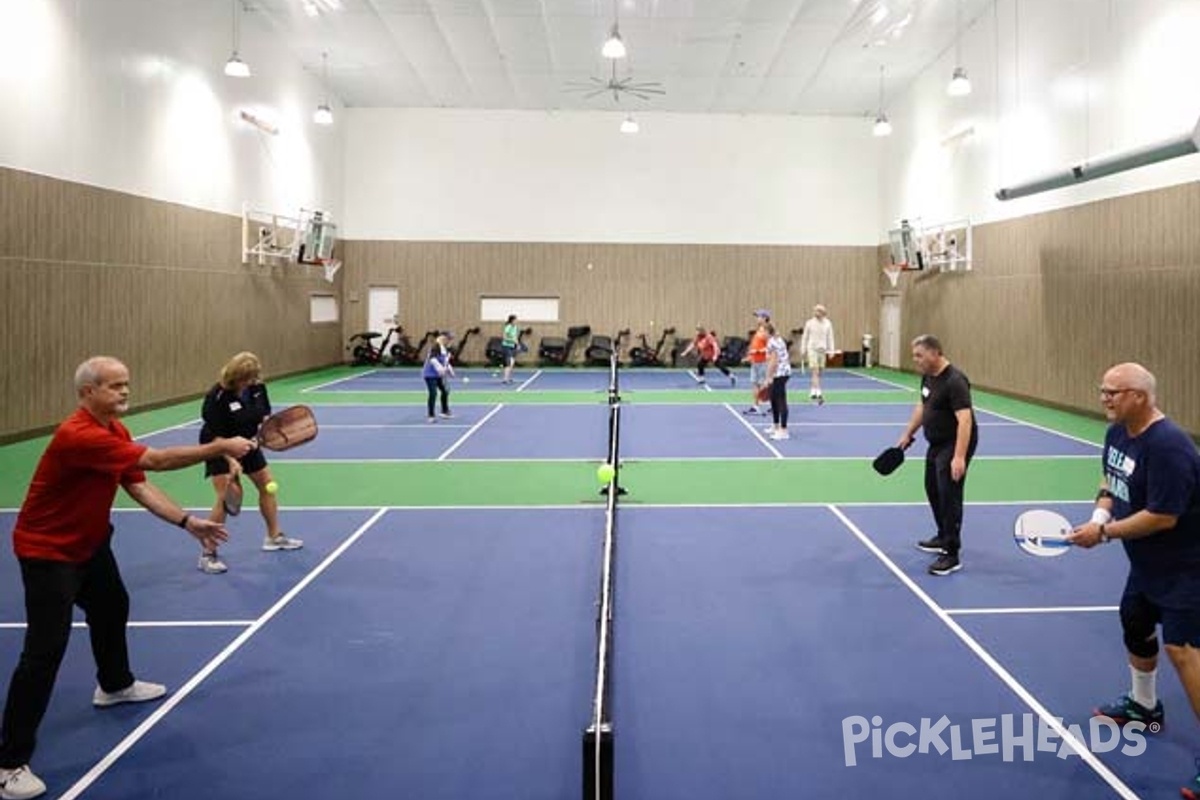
[1132, 376]
[93, 371]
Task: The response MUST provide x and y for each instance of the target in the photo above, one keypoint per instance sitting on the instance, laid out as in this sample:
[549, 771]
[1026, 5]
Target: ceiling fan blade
[596, 92]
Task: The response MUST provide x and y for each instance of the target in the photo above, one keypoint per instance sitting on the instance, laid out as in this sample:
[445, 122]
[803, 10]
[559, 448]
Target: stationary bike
[364, 351]
[457, 349]
[644, 356]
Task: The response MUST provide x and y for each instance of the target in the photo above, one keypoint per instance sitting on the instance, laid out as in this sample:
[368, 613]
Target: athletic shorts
[510, 354]
[1139, 616]
[252, 462]
[816, 359]
[758, 372]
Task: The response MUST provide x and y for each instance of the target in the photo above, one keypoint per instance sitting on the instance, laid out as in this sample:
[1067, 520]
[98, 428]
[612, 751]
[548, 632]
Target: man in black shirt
[945, 412]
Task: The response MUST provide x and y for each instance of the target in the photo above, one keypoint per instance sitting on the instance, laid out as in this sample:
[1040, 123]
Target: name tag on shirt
[235, 406]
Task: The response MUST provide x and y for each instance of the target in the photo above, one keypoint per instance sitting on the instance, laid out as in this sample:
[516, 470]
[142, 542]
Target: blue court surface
[543, 431]
[632, 380]
[448, 653]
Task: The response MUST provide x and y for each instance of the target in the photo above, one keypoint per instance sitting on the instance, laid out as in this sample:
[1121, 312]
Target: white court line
[93, 774]
[424, 426]
[530, 380]
[187, 424]
[696, 377]
[469, 433]
[742, 419]
[1039, 502]
[1079, 748]
[185, 623]
[320, 386]
[1042, 428]
[836, 424]
[879, 380]
[1036, 610]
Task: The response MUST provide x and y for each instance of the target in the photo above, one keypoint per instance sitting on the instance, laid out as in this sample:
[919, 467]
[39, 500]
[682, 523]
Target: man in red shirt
[62, 541]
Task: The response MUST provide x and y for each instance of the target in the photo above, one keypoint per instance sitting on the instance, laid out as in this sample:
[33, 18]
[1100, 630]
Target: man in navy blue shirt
[1150, 500]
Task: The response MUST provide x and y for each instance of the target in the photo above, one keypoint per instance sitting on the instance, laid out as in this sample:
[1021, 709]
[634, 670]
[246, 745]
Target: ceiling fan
[618, 86]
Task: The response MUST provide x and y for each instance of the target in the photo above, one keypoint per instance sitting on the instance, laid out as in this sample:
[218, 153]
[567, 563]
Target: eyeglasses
[1109, 394]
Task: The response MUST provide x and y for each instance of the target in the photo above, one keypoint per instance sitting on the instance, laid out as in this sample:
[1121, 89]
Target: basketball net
[892, 271]
[331, 266]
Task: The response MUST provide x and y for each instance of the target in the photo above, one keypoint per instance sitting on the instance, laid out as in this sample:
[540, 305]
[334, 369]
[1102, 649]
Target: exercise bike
[600, 349]
[494, 352]
[364, 351]
[644, 356]
[457, 348]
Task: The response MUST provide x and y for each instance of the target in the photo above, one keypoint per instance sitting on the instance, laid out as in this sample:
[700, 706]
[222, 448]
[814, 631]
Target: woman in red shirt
[705, 345]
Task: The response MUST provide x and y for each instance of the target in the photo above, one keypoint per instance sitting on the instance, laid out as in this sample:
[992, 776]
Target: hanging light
[960, 85]
[629, 125]
[324, 114]
[613, 46]
[882, 126]
[235, 67]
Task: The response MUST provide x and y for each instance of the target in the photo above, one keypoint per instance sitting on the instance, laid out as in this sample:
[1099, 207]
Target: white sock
[1143, 692]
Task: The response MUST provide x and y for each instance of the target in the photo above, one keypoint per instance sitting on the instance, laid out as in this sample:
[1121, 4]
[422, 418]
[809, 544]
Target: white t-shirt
[818, 336]
[778, 347]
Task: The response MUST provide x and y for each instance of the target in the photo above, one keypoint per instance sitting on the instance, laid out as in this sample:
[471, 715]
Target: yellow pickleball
[272, 487]
[605, 473]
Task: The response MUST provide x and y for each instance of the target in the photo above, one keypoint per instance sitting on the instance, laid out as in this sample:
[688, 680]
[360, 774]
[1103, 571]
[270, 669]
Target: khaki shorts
[816, 359]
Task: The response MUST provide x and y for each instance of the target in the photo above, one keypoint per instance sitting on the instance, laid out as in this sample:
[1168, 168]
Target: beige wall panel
[1058, 297]
[158, 285]
[642, 287]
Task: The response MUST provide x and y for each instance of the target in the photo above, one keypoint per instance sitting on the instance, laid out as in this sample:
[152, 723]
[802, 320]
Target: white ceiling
[737, 56]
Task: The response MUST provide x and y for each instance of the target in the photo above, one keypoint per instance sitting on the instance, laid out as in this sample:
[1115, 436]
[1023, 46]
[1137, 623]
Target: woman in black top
[235, 406]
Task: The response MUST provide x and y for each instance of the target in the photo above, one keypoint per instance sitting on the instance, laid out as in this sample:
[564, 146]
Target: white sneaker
[281, 542]
[20, 784]
[780, 436]
[136, 692]
[211, 564]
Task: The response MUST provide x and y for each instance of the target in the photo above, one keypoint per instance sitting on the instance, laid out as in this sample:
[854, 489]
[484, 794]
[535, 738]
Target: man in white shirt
[816, 343]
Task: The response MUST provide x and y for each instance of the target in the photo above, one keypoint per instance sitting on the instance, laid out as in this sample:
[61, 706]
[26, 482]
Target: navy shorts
[510, 354]
[1140, 615]
[252, 462]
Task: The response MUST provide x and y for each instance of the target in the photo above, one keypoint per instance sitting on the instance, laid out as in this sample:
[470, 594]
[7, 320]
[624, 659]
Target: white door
[889, 332]
[383, 308]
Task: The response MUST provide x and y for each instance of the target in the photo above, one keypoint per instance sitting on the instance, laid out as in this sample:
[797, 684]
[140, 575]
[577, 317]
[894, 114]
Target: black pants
[779, 406]
[52, 588]
[704, 362]
[437, 385]
[945, 494]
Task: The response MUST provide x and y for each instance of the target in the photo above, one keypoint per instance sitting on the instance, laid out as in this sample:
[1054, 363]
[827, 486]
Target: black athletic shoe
[945, 564]
[933, 545]
[1126, 709]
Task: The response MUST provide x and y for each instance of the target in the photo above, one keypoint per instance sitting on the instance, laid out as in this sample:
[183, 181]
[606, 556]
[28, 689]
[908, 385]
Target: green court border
[670, 482]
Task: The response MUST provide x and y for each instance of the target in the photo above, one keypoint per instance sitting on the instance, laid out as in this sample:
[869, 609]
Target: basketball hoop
[892, 271]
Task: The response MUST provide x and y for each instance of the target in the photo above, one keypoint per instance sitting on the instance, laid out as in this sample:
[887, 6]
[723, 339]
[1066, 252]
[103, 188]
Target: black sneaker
[945, 564]
[933, 545]
[1126, 709]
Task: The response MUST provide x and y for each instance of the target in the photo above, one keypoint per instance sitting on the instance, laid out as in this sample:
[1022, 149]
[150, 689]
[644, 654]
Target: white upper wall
[572, 176]
[1054, 84]
[130, 95]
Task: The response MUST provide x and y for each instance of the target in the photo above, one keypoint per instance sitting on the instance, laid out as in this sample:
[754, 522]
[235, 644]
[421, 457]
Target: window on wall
[527, 309]
[322, 308]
